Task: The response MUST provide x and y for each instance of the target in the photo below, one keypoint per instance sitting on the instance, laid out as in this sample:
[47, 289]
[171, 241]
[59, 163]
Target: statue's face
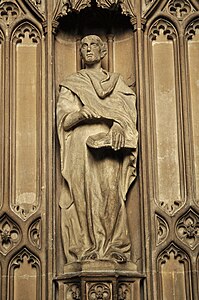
[91, 50]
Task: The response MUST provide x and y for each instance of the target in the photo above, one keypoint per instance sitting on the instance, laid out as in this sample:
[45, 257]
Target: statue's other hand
[118, 137]
[88, 113]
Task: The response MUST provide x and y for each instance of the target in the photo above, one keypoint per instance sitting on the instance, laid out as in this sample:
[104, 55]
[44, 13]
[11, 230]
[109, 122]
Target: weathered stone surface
[97, 132]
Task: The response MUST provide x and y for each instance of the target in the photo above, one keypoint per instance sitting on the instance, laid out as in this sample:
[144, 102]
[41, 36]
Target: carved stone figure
[96, 118]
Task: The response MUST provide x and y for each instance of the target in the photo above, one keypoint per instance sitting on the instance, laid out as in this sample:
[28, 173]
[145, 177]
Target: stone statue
[96, 119]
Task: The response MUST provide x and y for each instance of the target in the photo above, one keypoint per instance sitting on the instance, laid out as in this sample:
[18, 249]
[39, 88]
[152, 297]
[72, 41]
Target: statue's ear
[104, 50]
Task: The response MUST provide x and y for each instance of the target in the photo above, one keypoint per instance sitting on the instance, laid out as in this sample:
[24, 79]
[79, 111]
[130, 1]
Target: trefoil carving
[162, 27]
[10, 234]
[9, 11]
[27, 31]
[176, 252]
[162, 230]
[187, 229]
[24, 210]
[192, 30]
[179, 8]
[18, 260]
[124, 291]
[99, 291]
[73, 292]
[35, 233]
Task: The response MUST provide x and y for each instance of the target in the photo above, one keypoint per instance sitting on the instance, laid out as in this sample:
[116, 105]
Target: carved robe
[93, 213]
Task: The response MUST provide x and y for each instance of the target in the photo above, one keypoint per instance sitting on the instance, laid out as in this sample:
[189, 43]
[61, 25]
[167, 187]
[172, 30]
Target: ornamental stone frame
[154, 45]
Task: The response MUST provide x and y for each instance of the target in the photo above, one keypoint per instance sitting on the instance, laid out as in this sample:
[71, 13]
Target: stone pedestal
[103, 280]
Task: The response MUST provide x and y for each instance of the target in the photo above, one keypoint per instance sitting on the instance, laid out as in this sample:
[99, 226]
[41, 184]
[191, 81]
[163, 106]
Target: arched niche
[118, 31]
[113, 27]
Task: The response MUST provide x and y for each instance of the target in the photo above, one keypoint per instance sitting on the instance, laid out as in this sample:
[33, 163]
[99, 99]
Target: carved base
[103, 280]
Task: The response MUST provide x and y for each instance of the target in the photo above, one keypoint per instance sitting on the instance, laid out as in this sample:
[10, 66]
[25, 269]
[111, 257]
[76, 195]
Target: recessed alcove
[116, 29]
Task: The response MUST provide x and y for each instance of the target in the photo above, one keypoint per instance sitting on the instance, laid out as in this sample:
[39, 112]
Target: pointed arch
[174, 265]
[24, 276]
[25, 115]
[165, 104]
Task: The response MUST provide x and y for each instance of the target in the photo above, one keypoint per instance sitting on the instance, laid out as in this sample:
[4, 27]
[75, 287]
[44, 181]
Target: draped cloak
[93, 213]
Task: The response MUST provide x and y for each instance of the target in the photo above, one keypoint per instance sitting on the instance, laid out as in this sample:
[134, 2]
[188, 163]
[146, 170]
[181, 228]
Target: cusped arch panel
[24, 276]
[166, 123]
[174, 273]
[25, 115]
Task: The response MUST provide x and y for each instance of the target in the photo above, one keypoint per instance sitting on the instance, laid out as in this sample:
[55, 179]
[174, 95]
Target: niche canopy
[64, 7]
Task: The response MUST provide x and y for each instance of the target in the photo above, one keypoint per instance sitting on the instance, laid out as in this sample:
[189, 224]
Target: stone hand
[118, 137]
[88, 113]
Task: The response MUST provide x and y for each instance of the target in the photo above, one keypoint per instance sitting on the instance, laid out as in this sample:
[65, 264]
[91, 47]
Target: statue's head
[92, 49]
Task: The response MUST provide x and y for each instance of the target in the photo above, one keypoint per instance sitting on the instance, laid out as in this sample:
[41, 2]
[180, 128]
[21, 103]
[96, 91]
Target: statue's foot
[90, 256]
[118, 257]
[99, 140]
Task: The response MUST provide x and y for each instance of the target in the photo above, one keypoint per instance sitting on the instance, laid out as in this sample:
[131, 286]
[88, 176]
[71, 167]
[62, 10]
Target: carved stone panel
[187, 229]
[192, 49]
[24, 280]
[100, 290]
[125, 291]
[9, 12]
[166, 140]
[26, 120]
[72, 291]
[174, 278]
[35, 233]
[10, 234]
[162, 229]
[179, 8]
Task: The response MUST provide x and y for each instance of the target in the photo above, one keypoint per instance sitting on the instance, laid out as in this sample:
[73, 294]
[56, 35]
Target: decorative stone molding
[176, 251]
[24, 267]
[25, 201]
[38, 7]
[35, 233]
[124, 291]
[173, 272]
[26, 30]
[73, 292]
[99, 291]
[179, 8]
[192, 29]
[36, 2]
[162, 230]
[126, 7]
[187, 229]
[67, 6]
[19, 259]
[9, 12]
[64, 7]
[164, 26]
[10, 234]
